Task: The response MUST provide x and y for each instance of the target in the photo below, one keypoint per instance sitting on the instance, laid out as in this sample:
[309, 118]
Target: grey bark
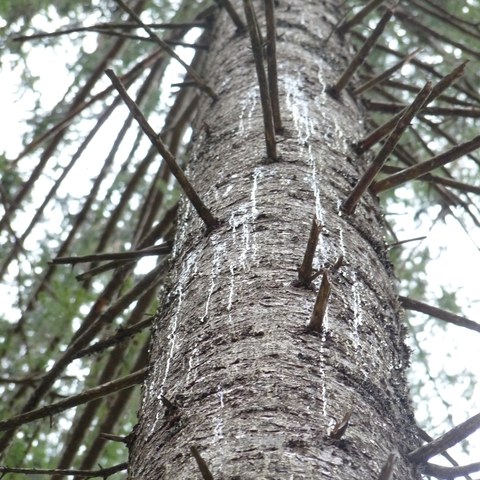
[253, 390]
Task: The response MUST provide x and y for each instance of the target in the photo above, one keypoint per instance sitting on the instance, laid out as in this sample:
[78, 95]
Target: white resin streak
[189, 269]
[218, 253]
[357, 312]
[246, 112]
[218, 429]
[299, 109]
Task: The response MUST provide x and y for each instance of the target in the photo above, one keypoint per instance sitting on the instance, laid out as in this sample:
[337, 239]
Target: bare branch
[442, 443]
[70, 402]
[193, 74]
[361, 54]
[374, 137]
[367, 178]
[202, 465]
[233, 14]
[417, 306]
[316, 320]
[341, 426]
[448, 473]
[357, 18]
[144, 252]
[386, 74]
[257, 49]
[101, 472]
[306, 269]
[272, 64]
[422, 168]
[387, 470]
[210, 221]
[121, 335]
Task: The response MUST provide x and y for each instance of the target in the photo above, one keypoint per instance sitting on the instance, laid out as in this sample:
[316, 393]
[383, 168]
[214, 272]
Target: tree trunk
[252, 388]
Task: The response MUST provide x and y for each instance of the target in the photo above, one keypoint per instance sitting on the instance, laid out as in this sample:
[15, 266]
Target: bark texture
[251, 389]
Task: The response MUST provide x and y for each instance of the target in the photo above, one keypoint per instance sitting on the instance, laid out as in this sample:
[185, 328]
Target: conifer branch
[367, 178]
[149, 239]
[320, 307]
[358, 17]
[163, 44]
[442, 443]
[122, 334]
[75, 400]
[386, 74]
[257, 48]
[227, 5]
[361, 54]
[380, 132]
[417, 306]
[388, 107]
[448, 182]
[422, 168]
[425, 436]
[401, 242]
[387, 470]
[96, 320]
[202, 464]
[449, 473]
[101, 472]
[306, 269]
[107, 27]
[272, 64]
[134, 254]
[407, 18]
[398, 85]
[340, 426]
[114, 438]
[210, 221]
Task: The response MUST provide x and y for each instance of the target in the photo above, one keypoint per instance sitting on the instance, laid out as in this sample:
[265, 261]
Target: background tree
[237, 307]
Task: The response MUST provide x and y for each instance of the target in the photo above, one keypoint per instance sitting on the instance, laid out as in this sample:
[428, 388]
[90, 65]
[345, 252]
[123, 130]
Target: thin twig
[87, 396]
[401, 242]
[257, 49]
[367, 178]
[442, 443]
[210, 221]
[423, 168]
[359, 58]
[193, 74]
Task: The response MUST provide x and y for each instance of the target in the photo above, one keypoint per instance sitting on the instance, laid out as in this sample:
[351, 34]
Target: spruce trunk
[234, 370]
